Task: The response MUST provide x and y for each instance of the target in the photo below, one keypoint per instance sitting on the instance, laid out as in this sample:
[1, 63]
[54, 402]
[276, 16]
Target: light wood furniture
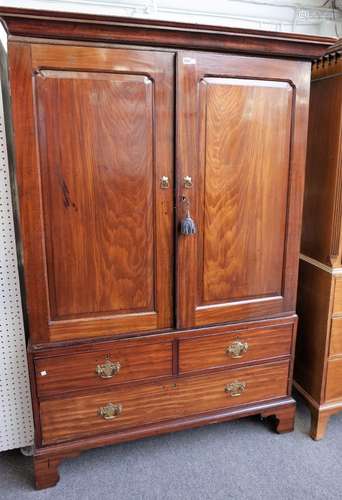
[318, 368]
[129, 134]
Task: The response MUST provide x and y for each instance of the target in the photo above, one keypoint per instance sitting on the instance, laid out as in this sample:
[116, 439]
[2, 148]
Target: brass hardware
[237, 349]
[187, 182]
[236, 388]
[164, 182]
[108, 369]
[110, 411]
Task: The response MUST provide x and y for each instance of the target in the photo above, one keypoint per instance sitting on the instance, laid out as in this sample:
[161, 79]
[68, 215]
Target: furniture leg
[46, 472]
[319, 422]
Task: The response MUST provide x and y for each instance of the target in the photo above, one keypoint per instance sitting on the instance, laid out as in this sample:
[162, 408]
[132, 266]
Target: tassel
[188, 225]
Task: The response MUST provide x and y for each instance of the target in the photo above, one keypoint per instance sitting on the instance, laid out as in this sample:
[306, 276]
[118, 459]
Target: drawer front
[338, 297]
[103, 367]
[336, 336]
[76, 417]
[334, 380]
[234, 348]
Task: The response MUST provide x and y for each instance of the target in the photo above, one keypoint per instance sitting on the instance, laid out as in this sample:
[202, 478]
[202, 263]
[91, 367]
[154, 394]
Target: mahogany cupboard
[129, 133]
[318, 370]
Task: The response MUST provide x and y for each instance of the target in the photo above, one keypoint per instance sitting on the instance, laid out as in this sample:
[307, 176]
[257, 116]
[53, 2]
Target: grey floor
[239, 460]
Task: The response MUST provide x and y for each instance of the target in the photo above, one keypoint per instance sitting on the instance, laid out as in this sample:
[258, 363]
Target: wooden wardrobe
[127, 134]
[318, 371]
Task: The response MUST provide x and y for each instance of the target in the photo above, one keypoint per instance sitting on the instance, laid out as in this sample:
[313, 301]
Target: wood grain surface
[63, 373]
[336, 336]
[71, 418]
[243, 122]
[337, 300]
[100, 28]
[211, 351]
[322, 199]
[315, 293]
[333, 390]
[105, 249]
[245, 147]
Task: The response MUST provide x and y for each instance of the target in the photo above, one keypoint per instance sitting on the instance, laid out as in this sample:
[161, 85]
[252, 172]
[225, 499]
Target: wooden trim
[164, 427]
[65, 25]
[334, 271]
[163, 336]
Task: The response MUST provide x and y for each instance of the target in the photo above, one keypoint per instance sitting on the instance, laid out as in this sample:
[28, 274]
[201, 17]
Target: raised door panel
[103, 121]
[240, 124]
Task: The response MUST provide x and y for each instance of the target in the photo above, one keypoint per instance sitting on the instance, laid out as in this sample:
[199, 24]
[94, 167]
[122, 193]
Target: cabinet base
[320, 414]
[47, 459]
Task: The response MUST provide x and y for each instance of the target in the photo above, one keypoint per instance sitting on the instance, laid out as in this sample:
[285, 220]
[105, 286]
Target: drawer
[102, 366]
[75, 417]
[336, 336]
[338, 297]
[333, 390]
[233, 348]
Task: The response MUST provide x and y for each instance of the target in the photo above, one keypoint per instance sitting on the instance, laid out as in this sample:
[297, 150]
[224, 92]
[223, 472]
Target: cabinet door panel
[104, 136]
[97, 207]
[238, 137]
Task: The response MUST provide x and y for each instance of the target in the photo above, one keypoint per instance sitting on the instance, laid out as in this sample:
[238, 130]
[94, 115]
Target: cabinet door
[94, 133]
[241, 137]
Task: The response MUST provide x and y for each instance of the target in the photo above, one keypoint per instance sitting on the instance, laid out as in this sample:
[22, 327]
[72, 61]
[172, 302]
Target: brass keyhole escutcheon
[237, 349]
[187, 182]
[164, 182]
[108, 369]
[236, 388]
[110, 411]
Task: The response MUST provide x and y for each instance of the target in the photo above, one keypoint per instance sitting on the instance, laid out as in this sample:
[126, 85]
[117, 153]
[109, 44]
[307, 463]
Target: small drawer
[213, 351]
[333, 389]
[336, 337]
[135, 406]
[337, 309]
[102, 366]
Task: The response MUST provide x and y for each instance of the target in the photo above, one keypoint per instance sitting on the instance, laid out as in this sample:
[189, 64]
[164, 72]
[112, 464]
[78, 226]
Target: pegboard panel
[16, 423]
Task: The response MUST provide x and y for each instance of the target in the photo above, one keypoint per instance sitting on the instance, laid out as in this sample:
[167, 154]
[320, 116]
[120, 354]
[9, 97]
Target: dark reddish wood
[249, 270]
[284, 418]
[46, 469]
[93, 198]
[71, 372]
[318, 371]
[46, 472]
[64, 450]
[75, 417]
[28, 186]
[211, 351]
[79, 346]
[94, 115]
[72, 26]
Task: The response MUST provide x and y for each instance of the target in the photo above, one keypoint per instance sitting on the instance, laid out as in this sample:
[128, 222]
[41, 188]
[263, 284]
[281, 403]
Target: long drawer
[131, 406]
[234, 348]
[104, 365]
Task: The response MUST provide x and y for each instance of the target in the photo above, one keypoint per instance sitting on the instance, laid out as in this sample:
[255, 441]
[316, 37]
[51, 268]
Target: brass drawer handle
[108, 369]
[237, 349]
[236, 388]
[110, 411]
